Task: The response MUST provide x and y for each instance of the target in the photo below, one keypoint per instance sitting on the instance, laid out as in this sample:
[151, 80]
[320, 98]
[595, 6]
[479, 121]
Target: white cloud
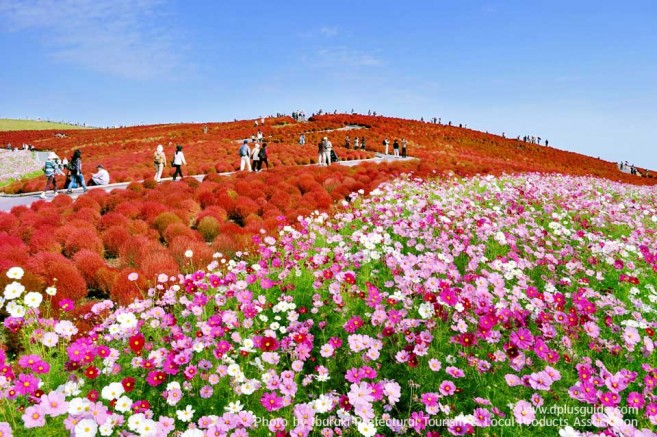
[329, 31]
[344, 56]
[124, 38]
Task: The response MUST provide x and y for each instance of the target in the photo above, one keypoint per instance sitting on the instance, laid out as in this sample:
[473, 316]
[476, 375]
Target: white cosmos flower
[234, 407]
[112, 391]
[123, 404]
[51, 291]
[86, 428]
[15, 310]
[185, 415]
[33, 299]
[13, 290]
[366, 429]
[15, 273]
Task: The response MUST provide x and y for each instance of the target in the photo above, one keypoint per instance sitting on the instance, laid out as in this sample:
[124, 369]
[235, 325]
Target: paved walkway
[8, 201]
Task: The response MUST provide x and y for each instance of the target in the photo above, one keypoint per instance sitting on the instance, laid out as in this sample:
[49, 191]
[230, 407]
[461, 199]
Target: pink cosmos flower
[482, 417]
[429, 399]
[522, 338]
[271, 401]
[524, 412]
[33, 417]
[5, 430]
[455, 372]
[360, 394]
[26, 384]
[277, 425]
[447, 388]
[609, 399]
[540, 381]
[460, 428]
[66, 305]
[635, 400]
[54, 404]
[206, 392]
[434, 365]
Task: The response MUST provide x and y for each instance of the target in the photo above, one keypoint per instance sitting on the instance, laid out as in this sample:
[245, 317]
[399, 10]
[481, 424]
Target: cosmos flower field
[511, 305]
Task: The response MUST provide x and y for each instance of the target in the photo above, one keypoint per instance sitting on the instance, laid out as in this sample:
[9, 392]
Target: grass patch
[10, 124]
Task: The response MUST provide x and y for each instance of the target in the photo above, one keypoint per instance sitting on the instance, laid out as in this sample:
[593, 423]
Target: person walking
[347, 141]
[245, 153]
[355, 143]
[51, 170]
[178, 162]
[395, 148]
[75, 167]
[263, 157]
[386, 143]
[159, 160]
[255, 157]
[362, 143]
[302, 140]
[320, 152]
[404, 142]
[328, 147]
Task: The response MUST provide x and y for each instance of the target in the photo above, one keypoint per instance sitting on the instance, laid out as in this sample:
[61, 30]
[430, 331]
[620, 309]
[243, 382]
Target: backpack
[49, 168]
[262, 154]
[244, 150]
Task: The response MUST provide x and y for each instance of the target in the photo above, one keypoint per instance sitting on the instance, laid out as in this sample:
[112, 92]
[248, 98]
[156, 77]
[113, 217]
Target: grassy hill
[10, 124]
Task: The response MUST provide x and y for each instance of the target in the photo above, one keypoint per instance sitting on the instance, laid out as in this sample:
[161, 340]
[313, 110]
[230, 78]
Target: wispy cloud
[344, 56]
[124, 38]
[329, 31]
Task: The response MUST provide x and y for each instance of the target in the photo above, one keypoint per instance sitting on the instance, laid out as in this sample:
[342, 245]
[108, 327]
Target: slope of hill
[12, 124]
[127, 152]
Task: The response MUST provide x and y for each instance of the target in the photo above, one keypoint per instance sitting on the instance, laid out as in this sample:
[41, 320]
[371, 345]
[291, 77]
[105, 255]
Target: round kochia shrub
[163, 220]
[88, 264]
[55, 269]
[79, 239]
[209, 228]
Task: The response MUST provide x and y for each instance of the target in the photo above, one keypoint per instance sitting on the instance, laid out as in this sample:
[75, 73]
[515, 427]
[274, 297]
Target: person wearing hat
[50, 169]
[159, 160]
[101, 177]
[245, 156]
[328, 147]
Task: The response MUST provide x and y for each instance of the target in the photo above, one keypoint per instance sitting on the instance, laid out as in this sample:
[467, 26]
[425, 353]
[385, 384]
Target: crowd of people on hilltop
[626, 167]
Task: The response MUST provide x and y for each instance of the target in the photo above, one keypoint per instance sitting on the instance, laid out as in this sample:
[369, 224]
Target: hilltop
[12, 124]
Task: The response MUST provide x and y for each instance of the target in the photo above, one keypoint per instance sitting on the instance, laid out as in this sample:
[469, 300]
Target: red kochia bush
[43, 240]
[8, 222]
[208, 226]
[88, 263]
[79, 239]
[113, 219]
[135, 249]
[114, 238]
[164, 220]
[156, 263]
[201, 253]
[180, 230]
[53, 268]
[124, 291]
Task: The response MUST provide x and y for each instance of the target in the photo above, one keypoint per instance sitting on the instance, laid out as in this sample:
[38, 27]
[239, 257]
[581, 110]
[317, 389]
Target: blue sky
[582, 74]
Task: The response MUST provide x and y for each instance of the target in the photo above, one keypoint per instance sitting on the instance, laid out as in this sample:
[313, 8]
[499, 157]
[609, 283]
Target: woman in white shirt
[178, 161]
